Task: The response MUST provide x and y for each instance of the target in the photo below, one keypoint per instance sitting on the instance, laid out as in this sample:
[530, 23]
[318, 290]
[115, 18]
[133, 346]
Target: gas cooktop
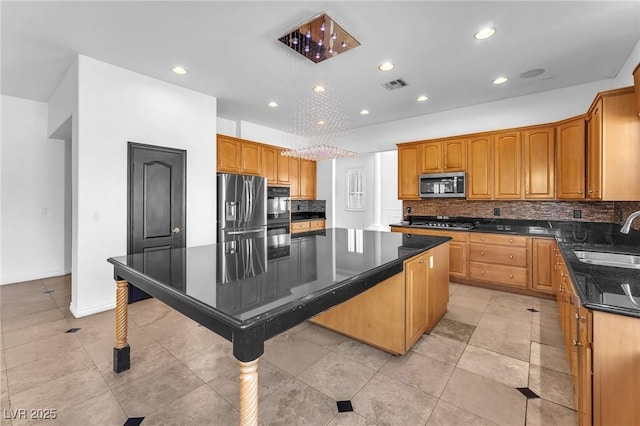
[443, 225]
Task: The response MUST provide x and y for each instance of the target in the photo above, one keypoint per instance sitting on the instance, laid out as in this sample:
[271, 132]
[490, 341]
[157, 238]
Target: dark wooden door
[157, 213]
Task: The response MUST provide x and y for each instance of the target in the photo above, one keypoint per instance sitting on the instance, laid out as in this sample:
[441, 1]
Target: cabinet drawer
[511, 256]
[316, 224]
[507, 240]
[455, 235]
[499, 274]
[299, 226]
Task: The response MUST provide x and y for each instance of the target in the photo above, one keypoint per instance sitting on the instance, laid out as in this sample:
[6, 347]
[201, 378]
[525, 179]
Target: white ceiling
[232, 50]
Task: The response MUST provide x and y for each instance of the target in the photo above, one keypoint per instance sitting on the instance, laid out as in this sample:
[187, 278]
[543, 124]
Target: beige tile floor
[464, 373]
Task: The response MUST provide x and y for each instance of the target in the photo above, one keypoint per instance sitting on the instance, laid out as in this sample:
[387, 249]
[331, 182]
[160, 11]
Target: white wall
[117, 106]
[33, 194]
[325, 188]
[345, 218]
[391, 207]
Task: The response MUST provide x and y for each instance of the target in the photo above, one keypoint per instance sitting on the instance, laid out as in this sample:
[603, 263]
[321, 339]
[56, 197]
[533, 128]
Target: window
[355, 189]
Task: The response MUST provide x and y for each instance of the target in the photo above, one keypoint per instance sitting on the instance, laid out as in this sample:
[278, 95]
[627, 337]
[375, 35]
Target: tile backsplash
[592, 211]
[319, 206]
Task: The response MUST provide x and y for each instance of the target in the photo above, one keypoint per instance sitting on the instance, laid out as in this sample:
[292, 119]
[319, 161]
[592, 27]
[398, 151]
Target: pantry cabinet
[613, 154]
[570, 159]
[538, 146]
[307, 181]
[294, 177]
[480, 168]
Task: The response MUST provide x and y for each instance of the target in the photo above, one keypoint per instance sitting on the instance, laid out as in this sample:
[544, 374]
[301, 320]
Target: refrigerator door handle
[251, 231]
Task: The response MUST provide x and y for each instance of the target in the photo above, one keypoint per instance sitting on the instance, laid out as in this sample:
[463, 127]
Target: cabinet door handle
[481, 238]
[421, 261]
[510, 256]
[576, 343]
[481, 253]
[510, 240]
[580, 317]
[579, 192]
[511, 276]
[482, 272]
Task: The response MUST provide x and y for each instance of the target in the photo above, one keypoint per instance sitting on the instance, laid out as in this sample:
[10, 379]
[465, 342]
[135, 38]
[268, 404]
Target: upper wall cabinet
[238, 156]
[480, 167]
[613, 154]
[636, 85]
[443, 156]
[570, 159]
[408, 171]
[507, 171]
[539, 163]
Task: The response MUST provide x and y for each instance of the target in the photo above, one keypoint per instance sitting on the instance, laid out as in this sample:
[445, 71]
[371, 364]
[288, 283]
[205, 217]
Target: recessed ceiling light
[318, 88]
[386, 66]
[484, 33]
[321, 122]
[179, 70]
[500, 80]
[421, 98]
[273, 104]
[364, 112]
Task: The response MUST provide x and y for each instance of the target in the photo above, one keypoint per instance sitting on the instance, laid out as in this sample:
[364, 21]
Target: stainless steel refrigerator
[242, 207]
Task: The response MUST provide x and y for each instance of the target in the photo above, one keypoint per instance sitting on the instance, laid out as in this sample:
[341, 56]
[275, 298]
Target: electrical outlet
[496, 211]
[577, 214]
[408, 210]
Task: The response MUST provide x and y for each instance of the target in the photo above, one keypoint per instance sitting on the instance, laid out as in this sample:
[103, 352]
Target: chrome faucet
[627, 223]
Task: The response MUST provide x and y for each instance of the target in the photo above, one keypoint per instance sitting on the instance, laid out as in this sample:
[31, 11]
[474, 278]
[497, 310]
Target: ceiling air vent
[395, 84]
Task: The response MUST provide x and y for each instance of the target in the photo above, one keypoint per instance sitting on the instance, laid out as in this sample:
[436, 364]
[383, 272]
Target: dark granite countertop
[599, 287]
[232, 289]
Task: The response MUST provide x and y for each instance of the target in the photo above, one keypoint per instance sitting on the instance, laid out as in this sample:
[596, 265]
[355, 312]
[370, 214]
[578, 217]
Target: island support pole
[121, 351]
[248, 346]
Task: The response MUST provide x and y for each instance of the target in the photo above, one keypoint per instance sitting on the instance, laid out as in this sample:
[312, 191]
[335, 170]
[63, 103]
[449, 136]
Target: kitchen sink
[608, 259]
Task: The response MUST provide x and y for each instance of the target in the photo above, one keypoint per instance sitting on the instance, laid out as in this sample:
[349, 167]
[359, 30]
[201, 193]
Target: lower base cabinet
[603, 350]
[395, 313]
[307, 226]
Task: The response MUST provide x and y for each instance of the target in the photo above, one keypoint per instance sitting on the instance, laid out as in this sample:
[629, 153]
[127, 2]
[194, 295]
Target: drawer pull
[510, 275]
[510, 256]
[481, 238]
[482, 272]
[481, 253]
[510, 240]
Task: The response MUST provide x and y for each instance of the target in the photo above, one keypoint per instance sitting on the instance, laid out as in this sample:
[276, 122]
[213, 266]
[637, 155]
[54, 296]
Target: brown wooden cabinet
[636, 86]
[416, 280]
[228, 154]
[269, 157]
[238, 156]
[507, 169]
[454, 155]
[307, 180]
[570, 159]
[442, 156]
[431, 154]
[294, 177]
[539, 163]
[395, 313]
[457, 247]
[497, 258]
[480, 167]
[543, 260]
[283, 169]
[613, 172]
[408, 171]
[307, 226]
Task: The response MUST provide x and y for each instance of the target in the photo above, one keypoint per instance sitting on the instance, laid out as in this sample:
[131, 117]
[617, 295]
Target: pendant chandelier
[319, 117]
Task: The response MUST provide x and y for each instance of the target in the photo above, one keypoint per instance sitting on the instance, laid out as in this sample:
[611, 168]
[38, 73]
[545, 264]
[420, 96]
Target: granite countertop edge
[585, 277]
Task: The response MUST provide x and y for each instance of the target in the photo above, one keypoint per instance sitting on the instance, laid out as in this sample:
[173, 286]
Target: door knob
[175, 230]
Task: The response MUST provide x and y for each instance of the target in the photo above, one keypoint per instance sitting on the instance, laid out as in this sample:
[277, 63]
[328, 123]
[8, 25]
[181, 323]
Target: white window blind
[355, 189]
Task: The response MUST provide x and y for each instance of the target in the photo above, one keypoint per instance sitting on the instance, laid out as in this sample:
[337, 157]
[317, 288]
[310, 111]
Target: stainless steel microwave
[441, 185]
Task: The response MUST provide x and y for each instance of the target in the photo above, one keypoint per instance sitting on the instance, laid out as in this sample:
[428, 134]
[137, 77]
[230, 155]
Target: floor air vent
[395, 84]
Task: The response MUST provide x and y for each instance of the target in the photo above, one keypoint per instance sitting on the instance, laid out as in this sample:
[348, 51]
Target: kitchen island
[244, 294]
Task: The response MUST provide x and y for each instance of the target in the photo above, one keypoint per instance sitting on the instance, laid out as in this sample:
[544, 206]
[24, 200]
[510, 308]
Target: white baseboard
[79, 313]
[31, 277]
